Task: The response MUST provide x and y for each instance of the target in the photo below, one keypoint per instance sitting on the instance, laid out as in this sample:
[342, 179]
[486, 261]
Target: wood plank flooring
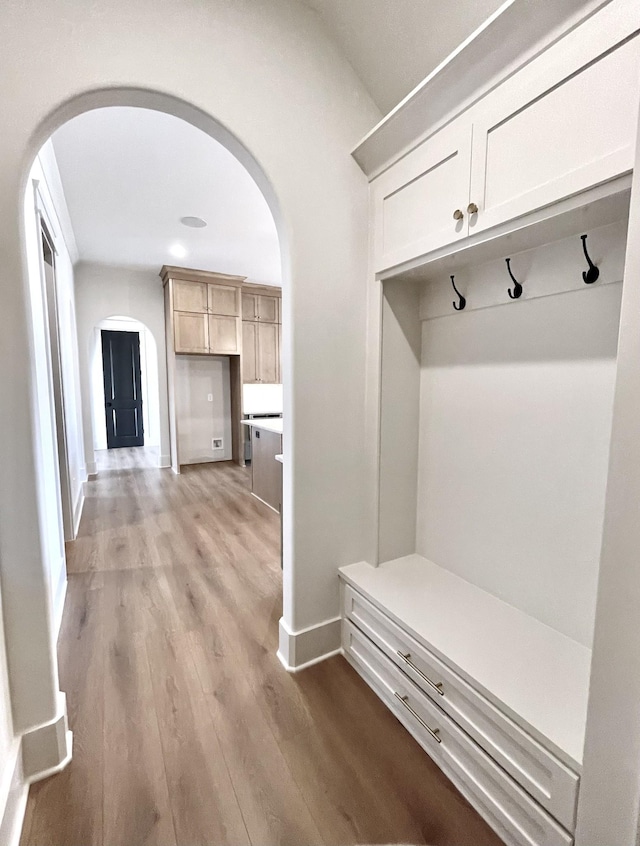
[187, 730]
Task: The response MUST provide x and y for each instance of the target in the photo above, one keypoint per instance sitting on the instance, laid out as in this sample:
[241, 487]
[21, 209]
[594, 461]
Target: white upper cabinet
[562, 124]
[421, 202]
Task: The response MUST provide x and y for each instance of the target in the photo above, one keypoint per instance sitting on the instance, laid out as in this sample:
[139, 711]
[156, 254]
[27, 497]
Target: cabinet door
[249, 307]
[415, 200]
[279, 353]
[267, 309]
[249, 352]
[562, 125]
[190, 296]
[266, 472]
[224, 299]
[268, 365]
[190, 332]
[224, 335]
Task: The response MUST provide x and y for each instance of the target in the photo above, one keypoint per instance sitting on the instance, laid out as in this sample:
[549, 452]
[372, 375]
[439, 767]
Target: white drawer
[546, 778]
[511, 812]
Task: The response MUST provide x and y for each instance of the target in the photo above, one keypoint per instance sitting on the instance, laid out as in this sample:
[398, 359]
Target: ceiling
[129, 175]
[393, 44]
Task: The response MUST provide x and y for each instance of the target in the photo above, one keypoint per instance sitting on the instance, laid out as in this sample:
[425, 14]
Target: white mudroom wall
[516, 402]
[514, 422]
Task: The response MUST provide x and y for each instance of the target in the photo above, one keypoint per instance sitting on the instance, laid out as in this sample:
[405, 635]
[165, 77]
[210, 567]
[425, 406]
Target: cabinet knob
[472, 208]
[458, 214]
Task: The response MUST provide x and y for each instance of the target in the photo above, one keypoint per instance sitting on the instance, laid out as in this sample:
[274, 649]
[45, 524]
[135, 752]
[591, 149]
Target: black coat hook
[592, 274]
[463, 302]
[517, 288]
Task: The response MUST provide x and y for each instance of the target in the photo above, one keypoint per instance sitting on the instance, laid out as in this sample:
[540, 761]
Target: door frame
[49, 293]
[138, 380]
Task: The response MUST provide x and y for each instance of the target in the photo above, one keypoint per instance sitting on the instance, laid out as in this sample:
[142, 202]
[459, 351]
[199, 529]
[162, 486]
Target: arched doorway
[46, 425]
[153, 374]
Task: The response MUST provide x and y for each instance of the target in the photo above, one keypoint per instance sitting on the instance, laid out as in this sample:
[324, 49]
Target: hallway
[187, 730]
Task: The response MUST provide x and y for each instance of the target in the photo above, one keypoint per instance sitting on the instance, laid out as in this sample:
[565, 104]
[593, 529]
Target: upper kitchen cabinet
[203, 311]
[261, 303]
[261, 310]
[560, 126]
[190, 333]
[190, 296]
[223, 299]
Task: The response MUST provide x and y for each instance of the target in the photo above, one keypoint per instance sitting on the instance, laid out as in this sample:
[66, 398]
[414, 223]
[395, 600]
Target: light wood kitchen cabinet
[223, 299]
[260, 352]
[261, 332]
[191, 332]
[190, 296]
[249, 351]
[260, 307]
[203, 317]
[224, 335]
[268, 353]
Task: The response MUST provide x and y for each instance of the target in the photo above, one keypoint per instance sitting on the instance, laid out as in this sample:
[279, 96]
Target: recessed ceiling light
[177, 251]
[193, 222]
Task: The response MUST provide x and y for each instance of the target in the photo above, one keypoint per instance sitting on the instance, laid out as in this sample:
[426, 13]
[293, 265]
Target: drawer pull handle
[458, 214]
[472, 208]
[432, 732]
[407, 659]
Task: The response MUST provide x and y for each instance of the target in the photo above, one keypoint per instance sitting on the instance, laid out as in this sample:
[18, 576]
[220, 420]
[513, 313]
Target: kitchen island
[266, 470]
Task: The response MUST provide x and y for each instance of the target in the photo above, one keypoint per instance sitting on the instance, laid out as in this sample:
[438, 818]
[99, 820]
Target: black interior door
[122, 388]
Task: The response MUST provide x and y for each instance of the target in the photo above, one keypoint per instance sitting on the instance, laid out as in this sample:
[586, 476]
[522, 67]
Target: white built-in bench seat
[495, 696]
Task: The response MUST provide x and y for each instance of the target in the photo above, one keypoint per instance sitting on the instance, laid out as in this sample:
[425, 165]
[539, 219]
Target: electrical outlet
[216, 443]
[209, 397]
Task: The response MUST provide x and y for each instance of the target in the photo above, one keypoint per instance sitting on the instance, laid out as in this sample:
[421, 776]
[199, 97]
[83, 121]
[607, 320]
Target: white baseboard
[306, 647]
[264, 503]
[47, 749]
[77, 511]
[164, 461]
[13, 797]
[311, 663]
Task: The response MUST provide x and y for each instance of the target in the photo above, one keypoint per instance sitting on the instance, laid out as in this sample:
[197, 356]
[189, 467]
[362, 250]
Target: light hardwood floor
[187, 731]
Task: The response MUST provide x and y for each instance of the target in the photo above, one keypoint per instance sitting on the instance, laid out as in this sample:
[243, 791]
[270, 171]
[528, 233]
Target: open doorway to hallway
[138, 428]
[132, 190]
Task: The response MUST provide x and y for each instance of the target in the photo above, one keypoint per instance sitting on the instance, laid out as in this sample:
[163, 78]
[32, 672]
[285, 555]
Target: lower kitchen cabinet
[265, 470]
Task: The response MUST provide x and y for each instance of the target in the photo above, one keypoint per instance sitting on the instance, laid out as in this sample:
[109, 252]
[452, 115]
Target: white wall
[399, 424]
[515, 422]
[67, 255]
[104, 292]
[201, 419]
[293, 113]
[45, 197]
[148, 375]
[7, 740]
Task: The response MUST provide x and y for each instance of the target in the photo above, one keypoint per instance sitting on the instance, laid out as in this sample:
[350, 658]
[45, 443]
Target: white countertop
[537, 675]
[268, 424]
